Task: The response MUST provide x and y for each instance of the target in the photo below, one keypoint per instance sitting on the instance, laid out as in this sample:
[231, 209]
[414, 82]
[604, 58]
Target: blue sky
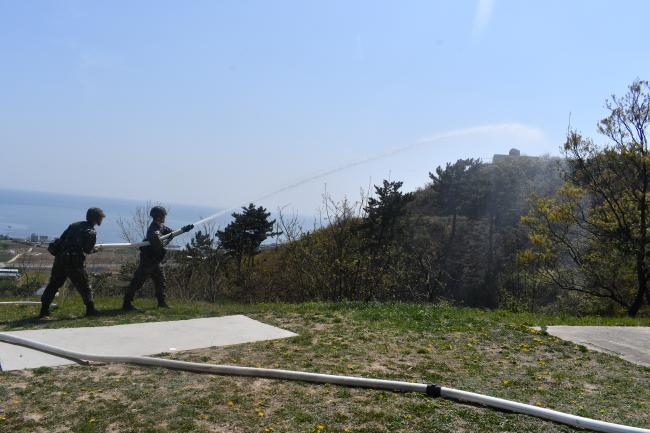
[217, 103]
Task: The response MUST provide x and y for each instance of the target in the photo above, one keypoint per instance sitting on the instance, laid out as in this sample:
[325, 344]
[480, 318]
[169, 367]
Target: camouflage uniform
[76, 241]
[150, 258]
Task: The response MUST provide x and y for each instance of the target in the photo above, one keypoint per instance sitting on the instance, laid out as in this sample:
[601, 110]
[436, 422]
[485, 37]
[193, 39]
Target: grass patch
[488, 352]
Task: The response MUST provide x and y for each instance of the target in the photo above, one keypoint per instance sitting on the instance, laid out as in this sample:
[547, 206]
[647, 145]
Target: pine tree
[244, 235]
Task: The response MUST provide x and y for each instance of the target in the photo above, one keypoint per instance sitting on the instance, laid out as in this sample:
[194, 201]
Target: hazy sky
[220, 102]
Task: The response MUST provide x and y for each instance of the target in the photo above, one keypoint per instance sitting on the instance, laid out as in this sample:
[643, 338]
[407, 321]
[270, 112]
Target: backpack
[55, 247]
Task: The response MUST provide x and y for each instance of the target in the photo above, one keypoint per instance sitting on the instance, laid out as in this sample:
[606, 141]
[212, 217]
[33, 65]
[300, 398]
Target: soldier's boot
[90, 310]
[162, 303]
[45, 311]
[46, 300]
[127, 305]
[129, 294]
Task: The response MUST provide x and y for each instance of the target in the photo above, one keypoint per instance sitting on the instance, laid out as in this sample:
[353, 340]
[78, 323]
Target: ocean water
[25, 212]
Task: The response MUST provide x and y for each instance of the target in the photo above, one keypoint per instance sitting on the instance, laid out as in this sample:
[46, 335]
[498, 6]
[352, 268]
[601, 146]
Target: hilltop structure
[513, 154]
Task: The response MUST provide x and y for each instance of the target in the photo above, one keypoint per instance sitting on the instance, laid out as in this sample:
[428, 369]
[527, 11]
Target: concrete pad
[631, 343]
[137, 339]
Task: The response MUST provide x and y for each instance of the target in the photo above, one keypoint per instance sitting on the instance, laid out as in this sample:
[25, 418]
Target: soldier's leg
[57, 278]
[79, 278]
[160, 282]
[139, 277]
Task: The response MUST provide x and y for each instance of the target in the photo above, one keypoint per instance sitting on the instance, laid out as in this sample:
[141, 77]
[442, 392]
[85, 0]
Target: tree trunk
[488, 282]
[642, 288]
[638, 300]
[641, 273]
[443, 260]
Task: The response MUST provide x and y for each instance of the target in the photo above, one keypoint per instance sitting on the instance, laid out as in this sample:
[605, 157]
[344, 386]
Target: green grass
[488, 352]
[5, 256]
[5, 246]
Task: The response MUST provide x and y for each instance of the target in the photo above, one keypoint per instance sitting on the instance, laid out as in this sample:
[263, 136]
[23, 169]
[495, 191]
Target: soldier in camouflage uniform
[150, 258]
[70, 261]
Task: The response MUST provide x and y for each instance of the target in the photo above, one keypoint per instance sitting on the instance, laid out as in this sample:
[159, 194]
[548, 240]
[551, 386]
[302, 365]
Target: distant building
[513, 154]
[35, 237]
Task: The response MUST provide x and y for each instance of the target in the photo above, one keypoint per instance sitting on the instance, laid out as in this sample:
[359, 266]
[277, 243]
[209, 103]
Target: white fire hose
[359, 382]
[24, 303]
[165, 237]
[137, 244]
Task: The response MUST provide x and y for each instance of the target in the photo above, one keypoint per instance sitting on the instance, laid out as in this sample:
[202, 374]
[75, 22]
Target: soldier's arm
[88, 240]
[154, 240]
[164, 230]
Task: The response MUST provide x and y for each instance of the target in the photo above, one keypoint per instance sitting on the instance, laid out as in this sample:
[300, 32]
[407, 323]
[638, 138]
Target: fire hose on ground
[25, 303]
[431, 390]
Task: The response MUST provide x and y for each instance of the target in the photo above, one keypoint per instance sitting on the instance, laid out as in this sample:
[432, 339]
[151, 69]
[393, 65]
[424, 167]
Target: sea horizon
[23, 213]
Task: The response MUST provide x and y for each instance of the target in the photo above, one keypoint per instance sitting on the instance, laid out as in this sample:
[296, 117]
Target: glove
[187, 228]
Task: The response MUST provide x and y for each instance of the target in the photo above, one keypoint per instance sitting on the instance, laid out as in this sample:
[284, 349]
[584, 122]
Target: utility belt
[152, 256]
[73, 252]
[147, 256]
[72, 256]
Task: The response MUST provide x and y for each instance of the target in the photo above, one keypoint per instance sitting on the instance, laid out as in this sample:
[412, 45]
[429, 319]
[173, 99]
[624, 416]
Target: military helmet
[95, 214]
[158, 212]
